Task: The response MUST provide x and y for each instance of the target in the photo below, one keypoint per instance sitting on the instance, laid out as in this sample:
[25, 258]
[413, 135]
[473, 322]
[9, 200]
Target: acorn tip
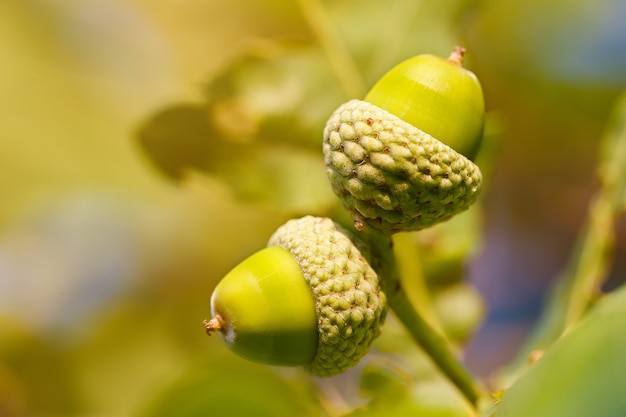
[213, 325]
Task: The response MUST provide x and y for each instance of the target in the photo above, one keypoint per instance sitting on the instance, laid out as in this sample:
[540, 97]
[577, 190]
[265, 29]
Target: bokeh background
[147, 147]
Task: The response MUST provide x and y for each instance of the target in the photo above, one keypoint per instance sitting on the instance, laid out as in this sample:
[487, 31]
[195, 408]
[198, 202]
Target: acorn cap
[349, 303]
[391, 175]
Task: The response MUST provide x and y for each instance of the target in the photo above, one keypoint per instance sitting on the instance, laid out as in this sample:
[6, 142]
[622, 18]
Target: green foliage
[239, 389]
[267, 104]
[582, 374]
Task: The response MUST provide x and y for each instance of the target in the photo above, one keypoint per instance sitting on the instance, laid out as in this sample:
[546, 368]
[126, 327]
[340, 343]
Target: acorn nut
[310, 298]
[390, 157]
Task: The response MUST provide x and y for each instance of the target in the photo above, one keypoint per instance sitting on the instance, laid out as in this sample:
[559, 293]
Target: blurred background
[147, 147]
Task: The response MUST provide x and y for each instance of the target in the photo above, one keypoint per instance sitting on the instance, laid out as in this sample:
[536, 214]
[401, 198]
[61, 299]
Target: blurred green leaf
[381, 34]
[582, 375]
[393, 391]
[259, 130]
[447, 247]
[222, 387]
[284, 178]
[461, 309]
[179, 138]
[277, 92]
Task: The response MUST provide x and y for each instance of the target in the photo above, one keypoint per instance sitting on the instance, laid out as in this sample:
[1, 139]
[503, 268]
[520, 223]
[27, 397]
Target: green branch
[428, 338]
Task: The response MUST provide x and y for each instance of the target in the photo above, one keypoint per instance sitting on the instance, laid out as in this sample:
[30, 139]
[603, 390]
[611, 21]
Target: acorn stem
[457, 55]
[214, 325]
[435, 345]
[428, 338]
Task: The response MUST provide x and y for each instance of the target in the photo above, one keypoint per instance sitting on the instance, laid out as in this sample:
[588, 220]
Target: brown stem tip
[457, 55]
[213, 325]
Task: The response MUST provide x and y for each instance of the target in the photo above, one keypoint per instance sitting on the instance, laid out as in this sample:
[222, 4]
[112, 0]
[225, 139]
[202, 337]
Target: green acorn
[390, 157]
[310, 298]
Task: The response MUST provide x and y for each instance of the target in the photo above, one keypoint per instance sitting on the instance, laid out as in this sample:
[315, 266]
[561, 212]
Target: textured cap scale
[350, 305]
[391, 175]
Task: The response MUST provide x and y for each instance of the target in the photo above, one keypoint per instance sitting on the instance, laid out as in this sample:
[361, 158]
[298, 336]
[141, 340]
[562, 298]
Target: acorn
[392, 157]
[309, 299]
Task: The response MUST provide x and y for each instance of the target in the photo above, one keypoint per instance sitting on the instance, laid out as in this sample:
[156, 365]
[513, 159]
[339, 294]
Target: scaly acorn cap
[393, 176]
[349, 303]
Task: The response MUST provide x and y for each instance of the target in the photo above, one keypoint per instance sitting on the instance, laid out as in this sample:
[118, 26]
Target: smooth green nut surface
[391, 175]
[436, 95]
[265, 311]
[349, 303]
